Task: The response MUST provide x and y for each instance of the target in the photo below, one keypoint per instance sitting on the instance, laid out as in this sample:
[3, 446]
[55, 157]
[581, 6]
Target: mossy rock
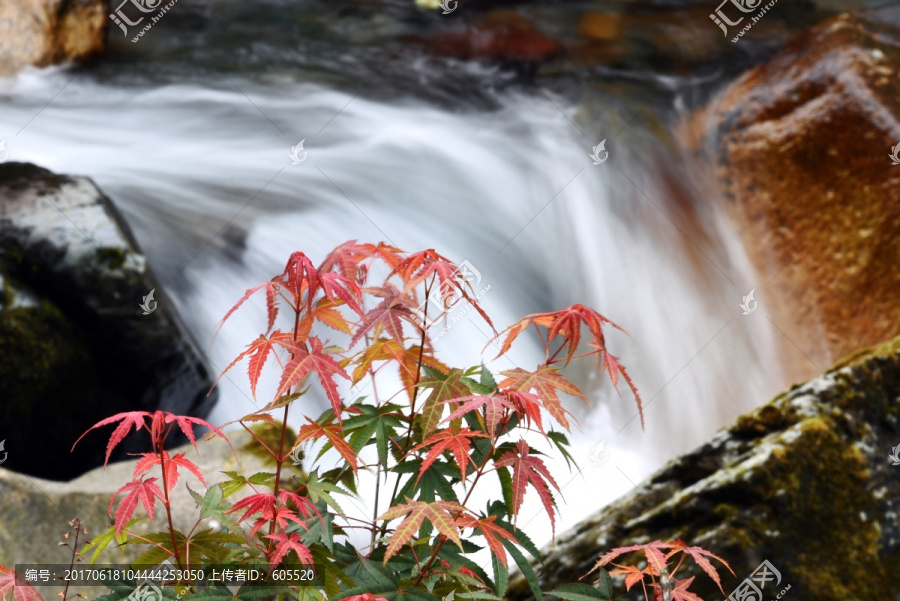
[804, 482]
[75, 347]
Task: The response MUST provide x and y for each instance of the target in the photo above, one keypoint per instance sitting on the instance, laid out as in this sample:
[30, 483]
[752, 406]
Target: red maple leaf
[337, 287]
[388, 315]
[265, 505]
[528, 469]
[420, 266]
[299, 276]
[459, 443]
[287, 543]
[366, 597]
[172, 465]
[305, 362]
[566, 324]
[143, 491]
[21, 590]
[494, 405]
[186, 424]
[491, 532]
[128, 419]
[346, 257]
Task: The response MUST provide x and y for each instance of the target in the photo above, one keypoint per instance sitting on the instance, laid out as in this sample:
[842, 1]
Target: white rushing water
[512, 191]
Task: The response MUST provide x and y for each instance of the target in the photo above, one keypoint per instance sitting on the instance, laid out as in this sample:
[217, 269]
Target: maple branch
[481, 471]
[408, 436]
[258, 440]
[279, 462]
[166, 503]
[77, 524]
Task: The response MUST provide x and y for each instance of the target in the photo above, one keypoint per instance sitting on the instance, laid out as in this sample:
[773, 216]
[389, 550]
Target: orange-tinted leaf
[545, 382]
[441, 388]
[699, 555]
[653, 551]
[440, 514]
[632, 575]
[383, 349]
[334, 434]
[324, 311]
[459, 443]
[614, 368]
[680, 592]
[491, 532]
[493, 404]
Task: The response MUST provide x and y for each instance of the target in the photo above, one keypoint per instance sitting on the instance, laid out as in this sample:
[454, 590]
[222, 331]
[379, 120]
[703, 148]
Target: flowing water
[190, 137]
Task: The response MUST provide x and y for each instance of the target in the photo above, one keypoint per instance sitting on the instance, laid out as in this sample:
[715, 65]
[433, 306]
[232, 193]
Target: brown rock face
[45, 32]
[800, 151]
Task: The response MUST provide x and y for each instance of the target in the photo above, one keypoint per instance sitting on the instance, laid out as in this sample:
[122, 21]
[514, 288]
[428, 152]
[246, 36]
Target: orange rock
[600, 26]
[45, 32]
[799, 149]
[502, 35]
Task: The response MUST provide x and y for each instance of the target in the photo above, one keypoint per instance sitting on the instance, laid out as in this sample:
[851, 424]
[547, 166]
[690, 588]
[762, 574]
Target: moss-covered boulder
[75, 346]
[804, 482]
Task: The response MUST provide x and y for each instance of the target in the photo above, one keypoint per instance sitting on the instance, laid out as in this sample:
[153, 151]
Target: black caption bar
[162, 575]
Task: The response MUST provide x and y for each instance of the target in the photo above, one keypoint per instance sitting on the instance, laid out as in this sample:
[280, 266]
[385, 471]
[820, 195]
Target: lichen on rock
[803, 481]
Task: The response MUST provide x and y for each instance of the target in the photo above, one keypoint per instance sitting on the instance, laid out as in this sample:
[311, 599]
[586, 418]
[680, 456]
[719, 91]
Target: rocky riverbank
[804, 481]
[75, 344]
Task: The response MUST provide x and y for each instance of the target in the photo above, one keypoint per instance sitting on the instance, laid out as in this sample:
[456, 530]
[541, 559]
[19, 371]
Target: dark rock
[804, 482]
[75, 346]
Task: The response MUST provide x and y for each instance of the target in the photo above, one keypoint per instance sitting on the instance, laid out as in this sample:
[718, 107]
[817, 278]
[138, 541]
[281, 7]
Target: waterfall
[202, 172]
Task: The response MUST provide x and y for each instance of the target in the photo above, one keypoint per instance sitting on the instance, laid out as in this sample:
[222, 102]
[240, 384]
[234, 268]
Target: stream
[189, 131]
